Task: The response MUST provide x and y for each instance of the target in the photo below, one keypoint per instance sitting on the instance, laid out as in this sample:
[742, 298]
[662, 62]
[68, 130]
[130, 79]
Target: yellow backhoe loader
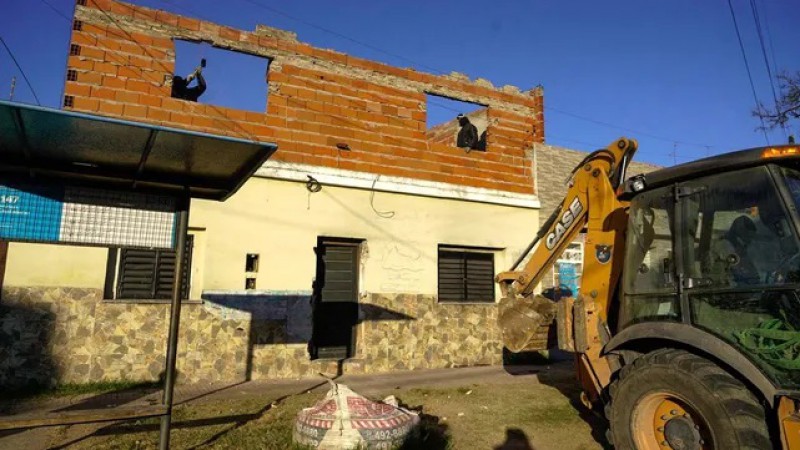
[686, 325]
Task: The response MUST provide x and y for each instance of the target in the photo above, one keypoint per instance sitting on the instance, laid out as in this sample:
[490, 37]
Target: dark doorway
[335, 299]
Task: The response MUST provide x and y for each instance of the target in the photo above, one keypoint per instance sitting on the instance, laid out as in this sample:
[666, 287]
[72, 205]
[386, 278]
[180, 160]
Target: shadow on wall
[282, 318]
[26, 334]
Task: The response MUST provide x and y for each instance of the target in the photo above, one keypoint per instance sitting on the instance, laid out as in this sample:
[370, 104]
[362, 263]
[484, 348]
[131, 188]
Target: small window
[144, 274]
[74, 50]
[456, 123]
[251, 262]
[72, 75]
[465, 275]
[230, 79]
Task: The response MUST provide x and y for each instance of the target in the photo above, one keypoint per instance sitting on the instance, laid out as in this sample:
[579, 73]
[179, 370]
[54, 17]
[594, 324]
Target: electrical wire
[747, 66]
[16, 63]
[342, 36]
[760, 33]
[632, 130]
[381, 214]
[55, 10]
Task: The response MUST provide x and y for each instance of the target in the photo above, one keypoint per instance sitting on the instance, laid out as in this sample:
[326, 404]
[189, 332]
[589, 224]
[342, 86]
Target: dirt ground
[521, 408]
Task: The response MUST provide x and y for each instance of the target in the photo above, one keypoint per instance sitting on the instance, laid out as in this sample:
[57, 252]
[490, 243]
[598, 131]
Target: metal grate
[74, 50]
[77, 215]
[466, 276]
[149, 274]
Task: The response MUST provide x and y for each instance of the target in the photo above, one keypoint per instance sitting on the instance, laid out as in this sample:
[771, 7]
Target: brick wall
[122, 57]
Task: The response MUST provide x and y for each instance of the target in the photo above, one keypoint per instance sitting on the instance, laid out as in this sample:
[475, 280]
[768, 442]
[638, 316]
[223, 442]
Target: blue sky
[670, 74]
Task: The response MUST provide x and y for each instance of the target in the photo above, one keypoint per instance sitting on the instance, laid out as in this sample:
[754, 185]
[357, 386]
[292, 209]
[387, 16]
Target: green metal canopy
[51, 144]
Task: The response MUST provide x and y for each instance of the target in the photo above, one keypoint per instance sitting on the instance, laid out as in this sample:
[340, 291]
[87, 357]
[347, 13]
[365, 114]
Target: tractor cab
[714, 244]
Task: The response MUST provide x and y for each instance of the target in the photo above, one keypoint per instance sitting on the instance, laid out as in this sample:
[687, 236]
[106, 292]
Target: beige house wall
[281, 220]
[52, 298]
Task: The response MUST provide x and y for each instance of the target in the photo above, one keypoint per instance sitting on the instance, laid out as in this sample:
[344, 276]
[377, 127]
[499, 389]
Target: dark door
[335, 301]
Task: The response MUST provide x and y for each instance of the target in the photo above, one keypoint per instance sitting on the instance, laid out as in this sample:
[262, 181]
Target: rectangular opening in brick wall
[445, 127]
[233, 79]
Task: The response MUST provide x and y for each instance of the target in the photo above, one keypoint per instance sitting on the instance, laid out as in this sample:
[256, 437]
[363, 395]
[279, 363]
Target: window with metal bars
[465, 275]
[149, 274]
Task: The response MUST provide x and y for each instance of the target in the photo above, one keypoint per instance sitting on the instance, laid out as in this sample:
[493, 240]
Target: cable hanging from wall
[312, 186]
[381, 214]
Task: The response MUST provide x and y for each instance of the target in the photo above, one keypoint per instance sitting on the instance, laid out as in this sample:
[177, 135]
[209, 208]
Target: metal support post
[174, 324]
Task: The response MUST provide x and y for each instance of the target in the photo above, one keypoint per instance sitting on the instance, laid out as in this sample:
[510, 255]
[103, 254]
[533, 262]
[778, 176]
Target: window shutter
[136, 269]
[149, 274]
[480, 277]
[340, 273]
[466, 276]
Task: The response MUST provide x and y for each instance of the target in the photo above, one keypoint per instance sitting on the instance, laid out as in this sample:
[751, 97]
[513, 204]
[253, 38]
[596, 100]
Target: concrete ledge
[384, 183]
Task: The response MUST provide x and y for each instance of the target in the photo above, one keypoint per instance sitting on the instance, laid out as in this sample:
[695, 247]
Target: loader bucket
[525, 322]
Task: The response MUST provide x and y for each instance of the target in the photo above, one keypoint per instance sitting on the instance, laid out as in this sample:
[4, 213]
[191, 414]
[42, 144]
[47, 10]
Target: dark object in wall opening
[251, 262]
[250, 283]
[180, 85]
[468, 134]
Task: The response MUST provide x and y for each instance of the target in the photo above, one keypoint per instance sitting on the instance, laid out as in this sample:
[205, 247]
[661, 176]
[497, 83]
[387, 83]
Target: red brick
[134, 111]
[77, 90]
[104, 93]
[90, 78]
[94, 53]
[172, 104]
[188, 23]
[105, 68]
[85, 104]
[158, 114]
[111, 7]
[167, 18]
[79, 63]
[180, 118]
[150, 100]
[230, 34]
[129, 72]
[83, 39]
[137, 86]
[113, 82]
[126, 97]
[110, 108]
[145, 13]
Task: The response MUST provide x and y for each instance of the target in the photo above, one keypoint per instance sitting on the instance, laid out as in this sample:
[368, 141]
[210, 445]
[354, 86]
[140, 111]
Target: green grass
[475, 416]
[73, 389]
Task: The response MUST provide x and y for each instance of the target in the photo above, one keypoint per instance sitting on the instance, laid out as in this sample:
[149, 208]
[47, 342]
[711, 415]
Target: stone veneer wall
[403, 332]
[68, 335]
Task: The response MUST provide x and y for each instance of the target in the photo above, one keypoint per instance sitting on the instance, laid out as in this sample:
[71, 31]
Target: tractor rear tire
[671, 398]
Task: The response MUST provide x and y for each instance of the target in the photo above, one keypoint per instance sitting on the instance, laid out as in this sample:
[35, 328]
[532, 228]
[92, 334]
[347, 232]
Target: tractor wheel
[673, 399]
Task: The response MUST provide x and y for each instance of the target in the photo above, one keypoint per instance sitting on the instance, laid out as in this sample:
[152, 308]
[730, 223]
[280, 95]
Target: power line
[769, 38]
[611, 125]
[340, 35]
[439, 71]
[760, 33]
[55, 10]
[747, 66]
[25, 77]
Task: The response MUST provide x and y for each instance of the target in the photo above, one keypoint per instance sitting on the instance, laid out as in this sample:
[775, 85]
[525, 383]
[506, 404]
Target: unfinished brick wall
[122, 57]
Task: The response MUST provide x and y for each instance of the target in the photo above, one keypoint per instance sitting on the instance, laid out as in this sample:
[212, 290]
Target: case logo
[567, 219]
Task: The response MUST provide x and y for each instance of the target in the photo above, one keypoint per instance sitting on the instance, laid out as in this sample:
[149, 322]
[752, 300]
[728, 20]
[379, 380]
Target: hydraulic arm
[591, 204]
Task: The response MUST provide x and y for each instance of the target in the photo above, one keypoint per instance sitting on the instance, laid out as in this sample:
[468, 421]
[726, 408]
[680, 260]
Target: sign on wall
[78, 215]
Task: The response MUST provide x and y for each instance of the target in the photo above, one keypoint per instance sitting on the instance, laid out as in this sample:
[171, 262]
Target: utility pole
[674, 153]
[13, 85]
